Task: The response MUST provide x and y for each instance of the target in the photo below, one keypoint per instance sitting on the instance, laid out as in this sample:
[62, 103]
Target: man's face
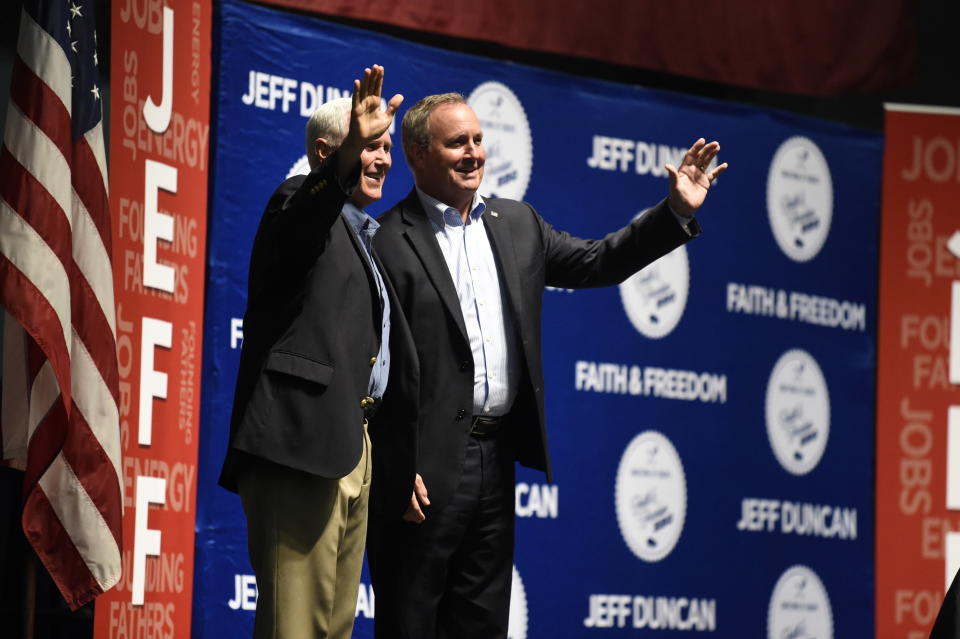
[375, 162]
[450, 168]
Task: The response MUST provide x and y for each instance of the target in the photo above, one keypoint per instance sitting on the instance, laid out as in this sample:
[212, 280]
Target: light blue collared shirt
[365, 227]
[490, 326]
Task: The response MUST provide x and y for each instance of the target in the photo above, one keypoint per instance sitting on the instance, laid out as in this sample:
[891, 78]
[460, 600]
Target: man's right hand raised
[367, 121]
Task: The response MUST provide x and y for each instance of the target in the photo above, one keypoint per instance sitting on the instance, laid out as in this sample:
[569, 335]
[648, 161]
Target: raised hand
[367, 121]
[689, 184]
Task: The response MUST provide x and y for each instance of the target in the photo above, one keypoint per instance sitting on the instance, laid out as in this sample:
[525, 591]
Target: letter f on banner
[153, 383]
[146, 541]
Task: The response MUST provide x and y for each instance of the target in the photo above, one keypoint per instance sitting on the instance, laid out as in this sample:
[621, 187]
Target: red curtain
[816, 47]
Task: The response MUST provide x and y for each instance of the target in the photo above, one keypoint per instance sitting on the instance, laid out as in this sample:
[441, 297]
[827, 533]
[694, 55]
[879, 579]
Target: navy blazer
[311, 333]
[530, 254]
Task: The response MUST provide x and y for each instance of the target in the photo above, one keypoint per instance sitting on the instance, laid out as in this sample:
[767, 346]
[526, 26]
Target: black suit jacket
[310, 330]
[530, 254]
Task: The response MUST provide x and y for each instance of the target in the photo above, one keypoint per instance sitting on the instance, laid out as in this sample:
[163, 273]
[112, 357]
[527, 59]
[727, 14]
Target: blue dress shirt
[365, 227]
[490, 326]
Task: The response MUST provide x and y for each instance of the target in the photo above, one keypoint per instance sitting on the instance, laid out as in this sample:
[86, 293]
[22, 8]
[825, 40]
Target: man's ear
[323, 148]
[416, 154]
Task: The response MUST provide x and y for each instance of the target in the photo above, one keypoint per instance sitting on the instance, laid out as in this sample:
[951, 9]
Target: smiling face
[450, 167]
[375, 162]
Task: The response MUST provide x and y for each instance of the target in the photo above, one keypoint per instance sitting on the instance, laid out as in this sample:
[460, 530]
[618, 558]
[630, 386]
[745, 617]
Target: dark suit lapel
[422, 238]
[501, 241]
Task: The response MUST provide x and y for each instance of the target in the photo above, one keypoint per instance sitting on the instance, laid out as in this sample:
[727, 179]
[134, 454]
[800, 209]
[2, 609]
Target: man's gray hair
[416, 129]
[328, 121]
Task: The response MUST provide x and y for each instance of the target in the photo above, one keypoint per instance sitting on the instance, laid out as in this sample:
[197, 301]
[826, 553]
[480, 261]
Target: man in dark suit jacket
[313, 366]
[469, 274]
[947, 625]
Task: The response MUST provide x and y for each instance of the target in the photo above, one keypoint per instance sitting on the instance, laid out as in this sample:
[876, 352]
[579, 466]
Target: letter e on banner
[157, 224]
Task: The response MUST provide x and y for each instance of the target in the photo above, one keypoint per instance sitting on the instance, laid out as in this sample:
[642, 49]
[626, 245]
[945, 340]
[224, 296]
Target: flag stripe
[92, 257]
[42, 54]
[23, 300]
[44, 392]
[83, 522]
[47, 424]
[94, 402]
[92, 193]
[80, 520]
[23, 194]
[93, 335]
[40, 105]
[56, 550]
[29, 254]
[94, 470]
[94, 138]
[34, 151]
[97, 329]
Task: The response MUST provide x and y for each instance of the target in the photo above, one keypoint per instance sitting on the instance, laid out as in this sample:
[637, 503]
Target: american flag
[60, 379]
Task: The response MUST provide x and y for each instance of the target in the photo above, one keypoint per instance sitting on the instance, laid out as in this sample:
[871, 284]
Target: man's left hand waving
[689, 183]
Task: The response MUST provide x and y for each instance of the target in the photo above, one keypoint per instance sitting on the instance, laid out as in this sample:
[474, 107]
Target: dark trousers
[450, 576]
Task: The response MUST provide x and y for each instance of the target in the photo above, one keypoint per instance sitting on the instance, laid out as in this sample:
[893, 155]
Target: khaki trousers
[306, 535]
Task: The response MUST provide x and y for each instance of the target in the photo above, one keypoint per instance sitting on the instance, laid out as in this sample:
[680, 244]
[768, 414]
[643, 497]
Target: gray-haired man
[313, 367]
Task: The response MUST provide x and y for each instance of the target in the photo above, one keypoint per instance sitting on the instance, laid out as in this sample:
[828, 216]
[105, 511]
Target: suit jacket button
[461, 413]
[464, 365]
[373, 360]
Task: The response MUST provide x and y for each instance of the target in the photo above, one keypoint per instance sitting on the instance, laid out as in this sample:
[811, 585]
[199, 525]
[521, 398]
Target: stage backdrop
[710, 420]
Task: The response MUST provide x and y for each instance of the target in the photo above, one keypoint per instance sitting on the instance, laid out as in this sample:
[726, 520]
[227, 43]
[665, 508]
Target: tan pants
[306, 536]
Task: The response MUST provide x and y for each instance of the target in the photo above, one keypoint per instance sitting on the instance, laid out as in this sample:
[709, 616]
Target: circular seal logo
[798, 412]
[300, 167]
[506, 136]
[799, 198]
[517, 626]
[654, 298]
[799, 607]
[651, 496]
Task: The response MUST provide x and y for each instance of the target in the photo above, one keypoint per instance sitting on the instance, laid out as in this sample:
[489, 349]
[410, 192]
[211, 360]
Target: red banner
[159, 135]
[918, 403]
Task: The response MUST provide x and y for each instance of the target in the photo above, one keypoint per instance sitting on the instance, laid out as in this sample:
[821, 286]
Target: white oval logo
[798, 412]
[655, 297]
[651, 496]
[506, 137]
[517, 626]
[799, 607]
[799, 198]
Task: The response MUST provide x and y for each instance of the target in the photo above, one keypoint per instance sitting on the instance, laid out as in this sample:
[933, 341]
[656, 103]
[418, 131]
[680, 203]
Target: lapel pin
[494, 214]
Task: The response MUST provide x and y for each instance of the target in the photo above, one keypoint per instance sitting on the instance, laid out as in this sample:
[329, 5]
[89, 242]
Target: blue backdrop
[710, 420]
